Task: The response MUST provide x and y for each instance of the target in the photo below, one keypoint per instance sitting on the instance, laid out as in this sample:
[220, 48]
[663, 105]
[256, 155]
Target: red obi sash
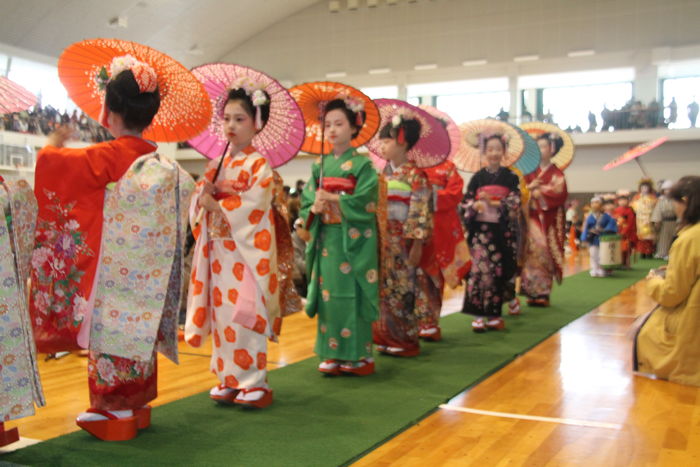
[399, 198]
[340, 184]
[492, 192]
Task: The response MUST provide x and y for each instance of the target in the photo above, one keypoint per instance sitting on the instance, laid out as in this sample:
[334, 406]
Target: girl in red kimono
[626, 226]
[70, 187]
[445, 254]
[544, 255]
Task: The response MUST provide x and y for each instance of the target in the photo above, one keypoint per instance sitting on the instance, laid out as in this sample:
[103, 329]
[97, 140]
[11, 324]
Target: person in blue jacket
[598, 223]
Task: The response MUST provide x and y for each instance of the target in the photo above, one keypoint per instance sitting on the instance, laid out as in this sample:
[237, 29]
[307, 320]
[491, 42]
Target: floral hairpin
[144, 74]
[356, 105]
[396, 124]
[256, 92]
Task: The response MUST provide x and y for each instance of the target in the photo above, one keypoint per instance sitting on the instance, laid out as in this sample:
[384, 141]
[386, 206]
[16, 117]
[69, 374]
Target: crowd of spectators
[43, 120]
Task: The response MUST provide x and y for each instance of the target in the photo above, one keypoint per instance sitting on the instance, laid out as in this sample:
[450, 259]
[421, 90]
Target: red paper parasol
[312, 98]
[452, 128]
[185, 110]
[281, 137]
[563, 158]
[432, 148]
[469, 157]
[13, 97]
[635, 152]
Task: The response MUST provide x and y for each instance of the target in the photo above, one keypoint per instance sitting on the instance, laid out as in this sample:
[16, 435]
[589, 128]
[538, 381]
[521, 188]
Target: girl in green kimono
[339, 207]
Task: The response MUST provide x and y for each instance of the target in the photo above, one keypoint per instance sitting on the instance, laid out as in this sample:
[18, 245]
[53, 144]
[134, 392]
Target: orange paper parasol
[185, 110]
[563, 158]
[13, 97]
[469, 157]
[312, 98]
[634, 153]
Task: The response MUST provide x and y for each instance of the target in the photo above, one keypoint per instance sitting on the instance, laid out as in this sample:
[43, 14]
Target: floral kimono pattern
[445, 254]
[290, 301]
[70, 190]
[18, 365]
[544, 254]
[137, 293]
[643, 206]
[234, 289]
[493, 244]
[341, 257]
[410, 218]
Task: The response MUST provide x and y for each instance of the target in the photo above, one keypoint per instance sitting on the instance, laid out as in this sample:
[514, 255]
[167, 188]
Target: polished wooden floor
[572, 400]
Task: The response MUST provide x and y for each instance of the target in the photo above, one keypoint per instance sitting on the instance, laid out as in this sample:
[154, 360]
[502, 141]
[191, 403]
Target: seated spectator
[668, 343]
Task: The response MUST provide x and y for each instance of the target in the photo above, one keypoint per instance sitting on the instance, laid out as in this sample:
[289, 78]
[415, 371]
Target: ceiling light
[474, 62]
[379, 71]
[581, 53]
[425, 66]
[526, 58]
[336, 74]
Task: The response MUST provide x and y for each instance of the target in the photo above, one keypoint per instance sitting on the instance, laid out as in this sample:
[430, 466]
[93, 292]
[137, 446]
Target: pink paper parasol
[13, 97]
[432, 148]
[281, 137]
[452, 128]
[634, 153]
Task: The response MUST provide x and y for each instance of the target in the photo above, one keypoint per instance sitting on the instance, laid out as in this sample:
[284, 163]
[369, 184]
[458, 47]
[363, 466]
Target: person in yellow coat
[668, 343]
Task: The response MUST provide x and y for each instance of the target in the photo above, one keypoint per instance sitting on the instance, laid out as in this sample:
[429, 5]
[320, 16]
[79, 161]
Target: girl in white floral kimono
[234, 289]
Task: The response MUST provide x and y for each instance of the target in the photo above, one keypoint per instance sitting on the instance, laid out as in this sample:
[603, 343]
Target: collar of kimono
[349, 152]
[142, 144]
[248, 150]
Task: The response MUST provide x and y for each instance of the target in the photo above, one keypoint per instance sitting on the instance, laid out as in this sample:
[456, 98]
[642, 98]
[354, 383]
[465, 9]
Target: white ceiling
[215, 27]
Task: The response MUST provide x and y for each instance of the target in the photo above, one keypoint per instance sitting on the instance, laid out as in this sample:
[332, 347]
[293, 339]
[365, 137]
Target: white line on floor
[564, 421]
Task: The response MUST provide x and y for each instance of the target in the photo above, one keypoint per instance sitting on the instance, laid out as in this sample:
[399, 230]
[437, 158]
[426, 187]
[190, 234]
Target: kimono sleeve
[308, 195]
[448, 198]
[360, 206]
[554, 192]
[469, 200]
[419, 223]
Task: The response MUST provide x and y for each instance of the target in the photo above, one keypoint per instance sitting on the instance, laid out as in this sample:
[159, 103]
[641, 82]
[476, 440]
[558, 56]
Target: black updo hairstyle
[496, 136]
[555, 141]
[411, 128]
[136, 108]
[687, 191]
[351, 116]
[247, 103]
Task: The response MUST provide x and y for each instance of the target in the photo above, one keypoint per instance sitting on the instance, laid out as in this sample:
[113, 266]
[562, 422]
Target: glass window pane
[569, 106]
[465, 107]
[42, 80]
[381, 92]
[685, 91]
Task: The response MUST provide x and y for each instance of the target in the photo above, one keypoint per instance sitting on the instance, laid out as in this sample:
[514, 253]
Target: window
[685, 91]
[381, 92]
[567, 98]
[43, 81]
[569, 106]
[465, 100]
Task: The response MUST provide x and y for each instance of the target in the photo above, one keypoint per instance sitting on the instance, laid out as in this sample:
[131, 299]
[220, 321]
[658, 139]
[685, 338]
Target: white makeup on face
[338, 129]
[238, 125]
